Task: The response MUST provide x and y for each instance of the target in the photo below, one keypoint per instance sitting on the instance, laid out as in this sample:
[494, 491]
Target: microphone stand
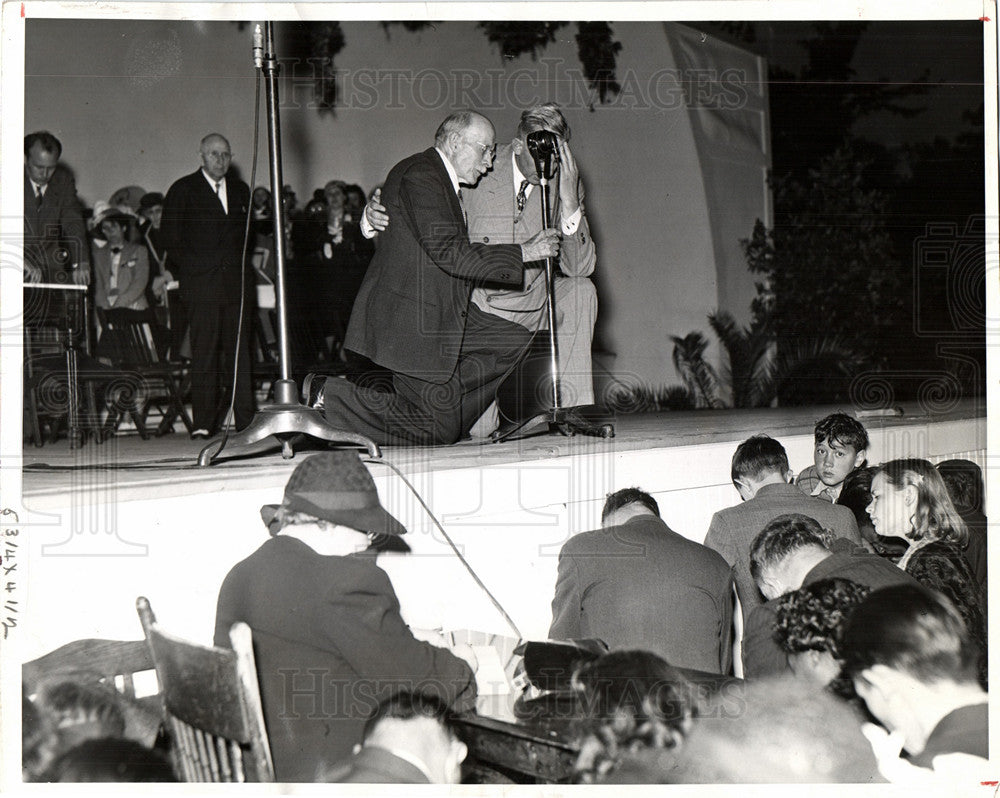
[287, 419]
[585, 419]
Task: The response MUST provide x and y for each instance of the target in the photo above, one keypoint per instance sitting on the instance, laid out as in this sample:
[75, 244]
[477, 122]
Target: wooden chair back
[211, 705]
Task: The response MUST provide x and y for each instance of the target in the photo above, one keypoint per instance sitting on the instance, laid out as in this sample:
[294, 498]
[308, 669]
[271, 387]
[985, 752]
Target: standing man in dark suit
[761, 474]
[55, 238]
[636, 583]
[413, 316]
[204, 215]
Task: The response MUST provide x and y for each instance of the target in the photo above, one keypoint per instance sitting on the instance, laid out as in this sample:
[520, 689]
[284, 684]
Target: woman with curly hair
[910, 501]
[633, 706]
[809, 625]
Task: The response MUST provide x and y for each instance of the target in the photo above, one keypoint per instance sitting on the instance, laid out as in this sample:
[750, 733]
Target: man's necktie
[39, 196]
[465, 217]
[522, 195]
[218, 185]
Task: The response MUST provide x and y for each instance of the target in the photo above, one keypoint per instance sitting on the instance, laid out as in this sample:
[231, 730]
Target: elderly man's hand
[544, 244]
[375, 213]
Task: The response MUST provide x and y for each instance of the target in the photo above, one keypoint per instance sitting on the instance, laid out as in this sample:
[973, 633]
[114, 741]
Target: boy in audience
[841, 446]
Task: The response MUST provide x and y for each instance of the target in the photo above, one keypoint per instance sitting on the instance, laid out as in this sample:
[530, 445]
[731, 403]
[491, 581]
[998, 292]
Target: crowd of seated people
[858, 663]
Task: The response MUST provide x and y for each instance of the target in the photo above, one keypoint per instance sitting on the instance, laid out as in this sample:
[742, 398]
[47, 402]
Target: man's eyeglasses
[491, 149]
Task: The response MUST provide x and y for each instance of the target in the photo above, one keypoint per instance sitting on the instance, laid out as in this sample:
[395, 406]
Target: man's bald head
[215, 155]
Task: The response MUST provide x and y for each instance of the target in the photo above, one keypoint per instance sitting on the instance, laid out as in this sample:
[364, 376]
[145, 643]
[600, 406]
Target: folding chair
[131, 344]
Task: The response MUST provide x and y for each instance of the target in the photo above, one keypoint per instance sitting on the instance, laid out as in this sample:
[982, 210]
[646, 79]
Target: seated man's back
[760, 473]
[638, 584]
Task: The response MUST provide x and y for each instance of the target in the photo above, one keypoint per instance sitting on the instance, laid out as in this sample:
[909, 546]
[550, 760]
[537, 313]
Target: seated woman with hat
[329, 639]
[121, 268]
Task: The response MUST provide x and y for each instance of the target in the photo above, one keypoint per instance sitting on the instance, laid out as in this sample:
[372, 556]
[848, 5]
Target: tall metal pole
[287, 420]
[550, 295]
[271, 69]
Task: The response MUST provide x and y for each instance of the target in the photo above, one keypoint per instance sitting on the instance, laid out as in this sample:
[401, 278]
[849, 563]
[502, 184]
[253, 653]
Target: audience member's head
[112, 223]
[964, 481]
[775, 731]
[627, 503]
[354, 201]
[423, 729]
[785, 550]
[41, 154]
[151, 208]
[70, 709]
[335, 195]
[261, 200]
[809, 625]
[841, 446]
[315, 210]
[109, 759]
[758, 461]
[911, 659]
[629, 702]
[331, 502]
[216, 155]
[910, 500]
[856, 495]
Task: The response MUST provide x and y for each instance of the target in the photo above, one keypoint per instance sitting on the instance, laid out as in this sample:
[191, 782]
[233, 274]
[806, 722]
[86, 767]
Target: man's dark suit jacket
[733, 530]
[762, 656]
[204, 242]
[409, 315]
[374, 765]
[641, 585]
[58, 222]
[329, 644]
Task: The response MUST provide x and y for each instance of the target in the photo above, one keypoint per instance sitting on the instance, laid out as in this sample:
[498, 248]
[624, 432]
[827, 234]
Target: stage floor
[169, 465]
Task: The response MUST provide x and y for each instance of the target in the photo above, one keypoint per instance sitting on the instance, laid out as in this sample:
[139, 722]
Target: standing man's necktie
[522, 195]
[465, 217]
[39, 195]
[218, 193]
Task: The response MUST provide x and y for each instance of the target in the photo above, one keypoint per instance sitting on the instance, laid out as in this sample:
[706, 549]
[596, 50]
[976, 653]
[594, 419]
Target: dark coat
[762, 656]
[329, 644]
[203, 241]
[641, 585]
[733, 530]
[965, 730]
[409, 315]
[374, 765]
[57, 223]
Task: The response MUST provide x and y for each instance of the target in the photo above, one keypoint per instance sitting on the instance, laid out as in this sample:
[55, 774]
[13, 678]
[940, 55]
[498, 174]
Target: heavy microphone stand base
[287, 420]
[568, 421]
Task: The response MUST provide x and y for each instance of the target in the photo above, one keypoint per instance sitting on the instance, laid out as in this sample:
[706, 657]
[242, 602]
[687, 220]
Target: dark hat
[336, 487]
[150, 200]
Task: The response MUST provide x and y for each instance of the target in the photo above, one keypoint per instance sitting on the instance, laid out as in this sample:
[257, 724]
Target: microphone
[258, 46]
